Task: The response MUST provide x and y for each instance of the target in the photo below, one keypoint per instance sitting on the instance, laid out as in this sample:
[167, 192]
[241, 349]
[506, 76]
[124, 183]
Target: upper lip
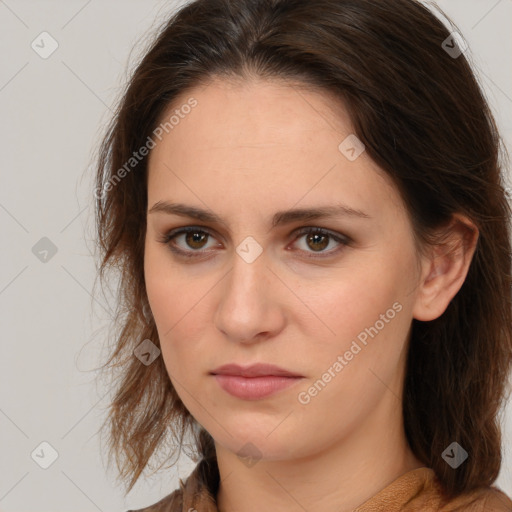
[254, 370]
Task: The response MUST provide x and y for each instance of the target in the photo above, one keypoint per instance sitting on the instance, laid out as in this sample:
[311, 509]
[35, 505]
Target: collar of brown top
[418, 490]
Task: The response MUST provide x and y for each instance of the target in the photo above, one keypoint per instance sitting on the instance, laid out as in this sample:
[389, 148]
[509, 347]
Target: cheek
[177, 303]
[160, 288]
[355, 301]
[368, 313]
[163, 290]
[370, 321]
[168, 292]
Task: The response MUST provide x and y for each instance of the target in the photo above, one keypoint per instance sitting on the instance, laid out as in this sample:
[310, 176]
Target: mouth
[254, 370]
[254, 382]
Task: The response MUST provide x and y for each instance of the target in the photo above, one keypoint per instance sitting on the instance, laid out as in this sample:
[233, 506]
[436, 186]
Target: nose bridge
[247, 286]
[248, 304]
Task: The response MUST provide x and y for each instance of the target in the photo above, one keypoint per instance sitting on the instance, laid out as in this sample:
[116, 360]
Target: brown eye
[318, 239]
[195, 240]
[191, 245]
[317, 242]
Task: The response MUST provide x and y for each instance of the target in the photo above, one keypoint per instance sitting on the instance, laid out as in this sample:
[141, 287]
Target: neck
[339, 478]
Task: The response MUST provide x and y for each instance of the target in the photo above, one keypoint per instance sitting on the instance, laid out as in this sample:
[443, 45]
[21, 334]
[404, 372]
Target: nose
[251, 308]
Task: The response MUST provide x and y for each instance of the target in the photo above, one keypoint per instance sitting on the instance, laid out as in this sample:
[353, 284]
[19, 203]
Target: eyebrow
[279, 218]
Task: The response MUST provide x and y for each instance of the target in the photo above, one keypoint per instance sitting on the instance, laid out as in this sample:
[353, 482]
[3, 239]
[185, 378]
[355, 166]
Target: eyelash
[168, 237]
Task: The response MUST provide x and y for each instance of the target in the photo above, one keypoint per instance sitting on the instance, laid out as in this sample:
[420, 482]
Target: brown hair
[424, 120]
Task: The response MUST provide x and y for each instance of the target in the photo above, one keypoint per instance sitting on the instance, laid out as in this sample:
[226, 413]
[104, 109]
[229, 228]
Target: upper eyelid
[212, 232]
[300, 231]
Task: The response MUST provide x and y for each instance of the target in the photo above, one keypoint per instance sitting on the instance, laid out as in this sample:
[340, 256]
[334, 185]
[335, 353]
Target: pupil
[315, 238]
[196, 237]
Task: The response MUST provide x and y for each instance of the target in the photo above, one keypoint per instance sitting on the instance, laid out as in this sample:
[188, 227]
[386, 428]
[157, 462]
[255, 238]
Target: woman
[305, 204]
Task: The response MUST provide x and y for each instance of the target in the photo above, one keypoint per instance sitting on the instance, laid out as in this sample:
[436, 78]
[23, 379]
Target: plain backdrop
[53, 111]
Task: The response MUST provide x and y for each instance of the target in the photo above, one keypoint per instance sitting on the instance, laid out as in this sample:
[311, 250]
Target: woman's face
[257, 285]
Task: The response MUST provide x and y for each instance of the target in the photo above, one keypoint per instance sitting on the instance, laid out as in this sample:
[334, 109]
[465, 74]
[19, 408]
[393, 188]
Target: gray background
[53, 112]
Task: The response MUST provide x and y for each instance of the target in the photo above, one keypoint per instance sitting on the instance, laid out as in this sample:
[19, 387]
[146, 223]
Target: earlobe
[445, 270]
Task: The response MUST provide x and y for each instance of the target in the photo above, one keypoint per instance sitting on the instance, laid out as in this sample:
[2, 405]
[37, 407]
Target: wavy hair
[424, 120]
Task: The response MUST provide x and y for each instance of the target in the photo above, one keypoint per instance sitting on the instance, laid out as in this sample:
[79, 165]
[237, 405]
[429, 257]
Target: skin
[246, 151]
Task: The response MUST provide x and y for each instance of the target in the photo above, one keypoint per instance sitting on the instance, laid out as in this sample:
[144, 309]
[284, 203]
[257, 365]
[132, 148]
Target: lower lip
[254, 388]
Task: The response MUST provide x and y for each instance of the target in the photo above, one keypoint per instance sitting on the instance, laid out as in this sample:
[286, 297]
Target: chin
[256, 444]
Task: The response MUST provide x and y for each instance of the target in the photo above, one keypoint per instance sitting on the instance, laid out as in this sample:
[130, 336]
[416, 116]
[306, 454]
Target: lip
[254, 370]
[254, 382]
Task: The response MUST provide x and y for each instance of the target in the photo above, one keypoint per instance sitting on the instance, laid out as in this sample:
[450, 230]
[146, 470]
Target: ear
[445, 269]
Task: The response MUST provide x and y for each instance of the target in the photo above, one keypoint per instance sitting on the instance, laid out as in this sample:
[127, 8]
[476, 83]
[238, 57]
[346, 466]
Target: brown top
[418, 490]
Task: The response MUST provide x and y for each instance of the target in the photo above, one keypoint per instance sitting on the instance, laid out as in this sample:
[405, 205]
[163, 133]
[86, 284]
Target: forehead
[258, 139]
[260, 112]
